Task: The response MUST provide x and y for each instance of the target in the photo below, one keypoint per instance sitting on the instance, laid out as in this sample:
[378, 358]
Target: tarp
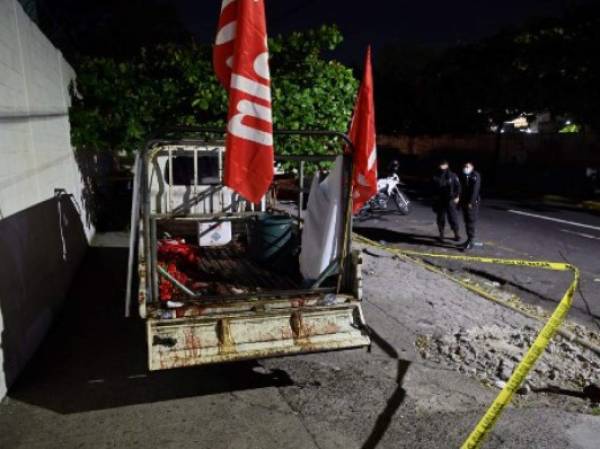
[323, 223]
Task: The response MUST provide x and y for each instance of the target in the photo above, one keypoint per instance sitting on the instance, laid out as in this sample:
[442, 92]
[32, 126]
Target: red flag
[224, 42]
[241, 60]
[364, 138]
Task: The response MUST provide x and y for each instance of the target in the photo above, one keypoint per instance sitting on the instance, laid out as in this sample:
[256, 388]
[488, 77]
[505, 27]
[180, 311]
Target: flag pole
[348, 222]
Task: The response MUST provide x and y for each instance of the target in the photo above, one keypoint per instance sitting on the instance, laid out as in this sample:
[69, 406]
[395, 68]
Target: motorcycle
[388, 195]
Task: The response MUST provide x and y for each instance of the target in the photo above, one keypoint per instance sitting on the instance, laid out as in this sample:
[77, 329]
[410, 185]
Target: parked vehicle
[218, 277]
[389, 197]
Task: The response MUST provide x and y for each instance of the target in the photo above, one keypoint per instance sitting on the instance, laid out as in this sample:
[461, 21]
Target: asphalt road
[514, 229]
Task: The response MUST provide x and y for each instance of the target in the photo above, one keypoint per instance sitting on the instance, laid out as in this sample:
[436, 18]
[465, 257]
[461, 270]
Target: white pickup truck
[218, 277]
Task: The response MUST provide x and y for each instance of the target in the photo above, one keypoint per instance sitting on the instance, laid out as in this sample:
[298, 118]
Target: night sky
[427, 22]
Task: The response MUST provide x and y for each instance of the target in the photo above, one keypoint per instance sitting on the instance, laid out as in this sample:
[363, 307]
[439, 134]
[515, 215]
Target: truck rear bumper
[202, 340]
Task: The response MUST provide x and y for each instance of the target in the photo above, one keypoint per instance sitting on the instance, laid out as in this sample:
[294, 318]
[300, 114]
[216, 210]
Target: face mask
[467, 171]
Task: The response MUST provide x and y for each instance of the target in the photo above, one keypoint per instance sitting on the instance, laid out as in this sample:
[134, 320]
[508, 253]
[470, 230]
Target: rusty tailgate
[249, 335]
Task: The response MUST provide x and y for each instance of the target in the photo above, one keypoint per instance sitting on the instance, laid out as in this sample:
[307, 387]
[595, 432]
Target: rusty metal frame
[148, 222]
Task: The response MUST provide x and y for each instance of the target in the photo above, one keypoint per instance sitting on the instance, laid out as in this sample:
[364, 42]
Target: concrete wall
[575, 150]
[42, 238]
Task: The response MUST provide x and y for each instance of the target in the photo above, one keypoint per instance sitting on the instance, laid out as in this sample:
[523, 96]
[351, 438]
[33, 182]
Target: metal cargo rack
[187, 140]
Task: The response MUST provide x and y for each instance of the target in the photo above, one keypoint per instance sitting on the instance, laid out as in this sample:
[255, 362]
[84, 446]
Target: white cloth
[323, 223]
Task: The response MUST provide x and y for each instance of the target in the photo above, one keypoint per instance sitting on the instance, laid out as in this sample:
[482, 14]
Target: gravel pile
[491, 354]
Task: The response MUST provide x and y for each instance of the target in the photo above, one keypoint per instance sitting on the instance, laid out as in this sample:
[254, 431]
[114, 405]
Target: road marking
[581, 234]
[557, 220]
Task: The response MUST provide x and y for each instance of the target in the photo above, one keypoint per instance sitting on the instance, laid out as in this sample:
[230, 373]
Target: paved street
[514, 229]
[88, 385]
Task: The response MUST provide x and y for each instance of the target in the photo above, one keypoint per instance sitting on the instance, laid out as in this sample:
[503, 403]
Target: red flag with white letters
[364, 139]
[224, 42]
[241, 62]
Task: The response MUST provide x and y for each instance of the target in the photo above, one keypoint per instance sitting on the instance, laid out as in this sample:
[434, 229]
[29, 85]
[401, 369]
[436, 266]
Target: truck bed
[231, 271]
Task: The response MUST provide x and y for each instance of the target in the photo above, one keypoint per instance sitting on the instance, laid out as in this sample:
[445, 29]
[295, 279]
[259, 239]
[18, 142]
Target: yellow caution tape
[487, 422]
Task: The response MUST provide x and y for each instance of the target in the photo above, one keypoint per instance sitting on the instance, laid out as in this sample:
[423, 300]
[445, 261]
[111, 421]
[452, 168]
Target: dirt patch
[491, 353]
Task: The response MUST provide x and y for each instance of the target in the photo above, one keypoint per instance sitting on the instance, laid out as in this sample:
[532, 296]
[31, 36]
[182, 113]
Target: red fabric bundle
[175, 255]
[177, 250]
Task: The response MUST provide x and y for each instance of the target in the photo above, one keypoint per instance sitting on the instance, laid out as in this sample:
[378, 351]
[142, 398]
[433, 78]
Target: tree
[544, 65]
[309, 91]
[119, 104]
[399, 71]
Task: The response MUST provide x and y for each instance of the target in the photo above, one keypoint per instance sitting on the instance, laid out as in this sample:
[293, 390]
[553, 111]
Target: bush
[119, 104]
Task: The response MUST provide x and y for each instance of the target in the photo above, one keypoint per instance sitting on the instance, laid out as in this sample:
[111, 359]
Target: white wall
[35, 150]
[2, 376]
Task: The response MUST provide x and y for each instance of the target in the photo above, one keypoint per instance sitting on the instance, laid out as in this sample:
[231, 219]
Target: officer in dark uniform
[470, 200]
[446, 197]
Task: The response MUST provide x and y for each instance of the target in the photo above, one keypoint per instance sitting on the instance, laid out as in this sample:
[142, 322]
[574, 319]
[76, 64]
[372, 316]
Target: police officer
[470, 200]
[446, 197]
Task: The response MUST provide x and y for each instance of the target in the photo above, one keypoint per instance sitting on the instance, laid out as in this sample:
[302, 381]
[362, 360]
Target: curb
[563, 200]
[593, 205]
